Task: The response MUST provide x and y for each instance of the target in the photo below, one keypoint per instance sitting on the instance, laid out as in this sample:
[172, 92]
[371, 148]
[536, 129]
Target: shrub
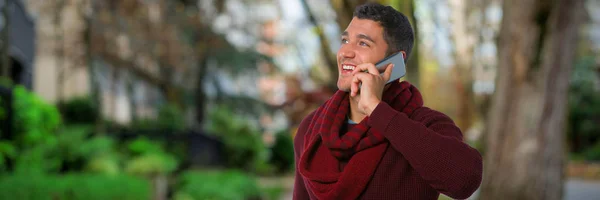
[584, 108]
[73, 186]
[41, 144]
[170, 118]
[593, 153]
[282, 152]
[149, 158]
[80, 110]
[83, 151]
[34, 130]
[244, 147]
[222, 185]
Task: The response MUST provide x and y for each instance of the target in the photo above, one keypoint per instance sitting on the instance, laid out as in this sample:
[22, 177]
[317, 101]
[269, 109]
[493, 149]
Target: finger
[354, 86]
[388, 72]
[369, 67]
[357, 81]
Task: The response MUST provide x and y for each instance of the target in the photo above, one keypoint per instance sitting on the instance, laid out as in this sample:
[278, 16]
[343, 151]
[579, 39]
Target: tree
[407, 7]
[330, 58]
[73, 76]
[465, 36]
[524, 156]
[5, 64]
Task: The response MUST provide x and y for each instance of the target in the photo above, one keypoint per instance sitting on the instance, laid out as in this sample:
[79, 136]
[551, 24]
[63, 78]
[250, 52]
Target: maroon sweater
[426, 157]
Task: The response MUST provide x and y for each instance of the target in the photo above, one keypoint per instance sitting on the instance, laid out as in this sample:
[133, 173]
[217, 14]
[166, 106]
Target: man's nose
[347, 53]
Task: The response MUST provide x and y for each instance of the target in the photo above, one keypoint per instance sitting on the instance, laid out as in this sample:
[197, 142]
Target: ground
[575, 188]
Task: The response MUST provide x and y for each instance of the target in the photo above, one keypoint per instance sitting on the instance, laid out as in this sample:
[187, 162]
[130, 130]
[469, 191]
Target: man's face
[362, 42]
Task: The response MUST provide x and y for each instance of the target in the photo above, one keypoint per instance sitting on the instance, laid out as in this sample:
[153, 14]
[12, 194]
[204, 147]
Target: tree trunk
[330, 57]
[525, 144]
[200, 93]
[59, 50]
[344, 10]
[70, 53]
[95, 94]
[5, 39]
[407, 7]
[464, 41]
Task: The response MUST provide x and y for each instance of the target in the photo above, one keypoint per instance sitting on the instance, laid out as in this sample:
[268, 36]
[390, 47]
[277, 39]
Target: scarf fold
[363, 145]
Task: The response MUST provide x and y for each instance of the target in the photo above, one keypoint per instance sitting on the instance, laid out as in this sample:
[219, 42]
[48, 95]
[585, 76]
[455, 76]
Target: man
[378, 141]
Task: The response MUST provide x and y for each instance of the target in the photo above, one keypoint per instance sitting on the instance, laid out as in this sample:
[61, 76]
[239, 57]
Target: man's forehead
[366, 27]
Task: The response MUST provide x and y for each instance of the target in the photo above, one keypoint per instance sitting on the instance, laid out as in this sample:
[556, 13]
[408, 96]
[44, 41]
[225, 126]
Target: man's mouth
[348, 68]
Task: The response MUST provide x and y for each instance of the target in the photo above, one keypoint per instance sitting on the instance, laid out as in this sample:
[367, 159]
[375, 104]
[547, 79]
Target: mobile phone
[399, 70]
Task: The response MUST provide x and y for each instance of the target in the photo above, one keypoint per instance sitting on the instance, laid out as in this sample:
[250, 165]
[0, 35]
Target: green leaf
[7, 149]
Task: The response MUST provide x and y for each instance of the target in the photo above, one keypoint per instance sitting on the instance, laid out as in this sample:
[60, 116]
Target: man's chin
[344, 88]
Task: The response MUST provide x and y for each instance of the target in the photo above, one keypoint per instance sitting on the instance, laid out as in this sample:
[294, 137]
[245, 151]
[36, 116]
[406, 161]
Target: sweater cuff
[381, 116]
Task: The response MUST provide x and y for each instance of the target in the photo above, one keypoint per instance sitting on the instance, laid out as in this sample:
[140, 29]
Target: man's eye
[363, 44]
[344, 41]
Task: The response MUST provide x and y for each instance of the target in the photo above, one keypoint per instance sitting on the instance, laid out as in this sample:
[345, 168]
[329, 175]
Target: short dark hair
[397, 31]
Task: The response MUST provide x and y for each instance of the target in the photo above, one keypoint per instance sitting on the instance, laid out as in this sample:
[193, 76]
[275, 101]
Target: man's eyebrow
[362, 36]
[366, 37]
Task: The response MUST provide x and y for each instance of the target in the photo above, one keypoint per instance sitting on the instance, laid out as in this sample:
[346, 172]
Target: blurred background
[200, 99]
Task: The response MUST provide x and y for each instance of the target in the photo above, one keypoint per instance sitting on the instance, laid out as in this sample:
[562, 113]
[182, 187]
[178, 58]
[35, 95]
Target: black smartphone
[399, 68]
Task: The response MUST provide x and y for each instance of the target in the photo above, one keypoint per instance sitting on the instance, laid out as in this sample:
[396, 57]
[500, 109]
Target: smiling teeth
[348, 67]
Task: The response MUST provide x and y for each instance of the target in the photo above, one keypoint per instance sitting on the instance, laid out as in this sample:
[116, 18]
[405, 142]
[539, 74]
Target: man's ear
[403, 54]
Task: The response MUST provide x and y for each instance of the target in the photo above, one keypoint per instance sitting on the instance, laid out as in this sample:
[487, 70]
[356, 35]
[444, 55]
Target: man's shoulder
[427, 114]
[302, 128]
[424, 110]
[301, 132]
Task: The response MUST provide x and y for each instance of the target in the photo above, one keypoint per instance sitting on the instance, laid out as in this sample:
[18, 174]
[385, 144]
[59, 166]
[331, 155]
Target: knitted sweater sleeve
[433, 145]
[300, 192]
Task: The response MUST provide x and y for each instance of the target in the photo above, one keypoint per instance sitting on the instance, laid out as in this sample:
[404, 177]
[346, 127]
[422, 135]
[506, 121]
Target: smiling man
[378, 141]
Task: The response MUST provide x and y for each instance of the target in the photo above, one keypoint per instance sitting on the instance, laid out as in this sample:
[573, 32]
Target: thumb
[388, 72]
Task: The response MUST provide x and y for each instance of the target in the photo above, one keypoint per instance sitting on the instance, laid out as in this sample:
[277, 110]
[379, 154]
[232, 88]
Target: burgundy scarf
[363, 145]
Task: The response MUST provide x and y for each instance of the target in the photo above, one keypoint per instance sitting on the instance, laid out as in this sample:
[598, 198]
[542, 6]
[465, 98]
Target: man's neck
[355, 115]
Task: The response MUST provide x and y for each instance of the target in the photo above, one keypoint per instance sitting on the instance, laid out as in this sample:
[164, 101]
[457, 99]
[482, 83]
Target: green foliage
[7, 151]
[584, 109]
[108, 164]
[244, 147]
[592, 153]
[73, 186]
[97, 153]
[6, 81]
[282, 152]
[273, 193]
[34, 128]
[149, 158]
[77, 150]
[38, 159]
[222, 185]
[144, 146]
[170, 117]
[41, 146]
[73, 150]
[2, 112]
[74, 143]
[35, 120]
[80, 110]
